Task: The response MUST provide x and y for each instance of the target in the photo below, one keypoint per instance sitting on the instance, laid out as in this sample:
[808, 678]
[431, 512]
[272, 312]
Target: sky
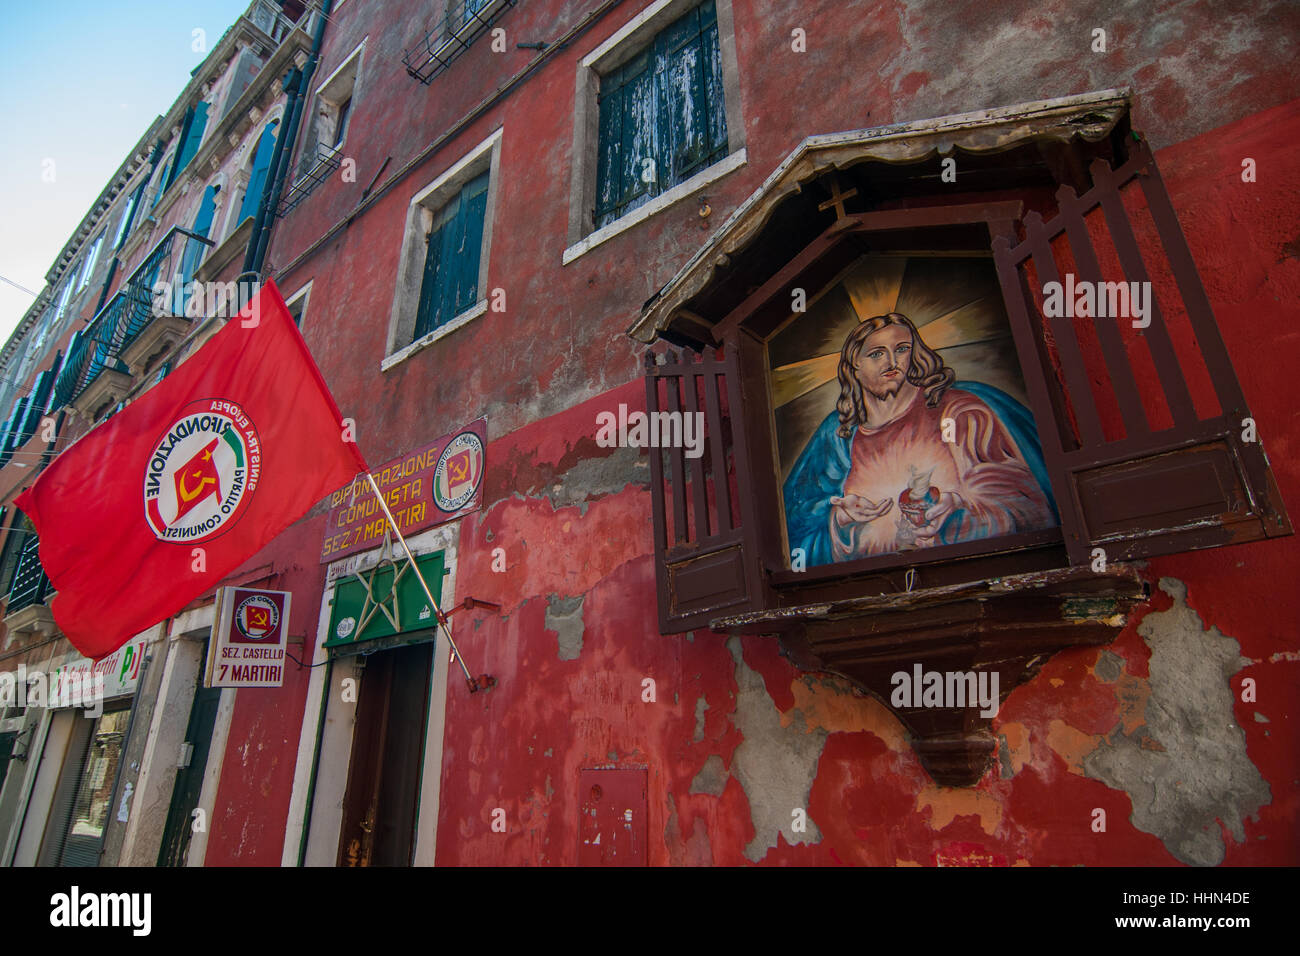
[80, 82]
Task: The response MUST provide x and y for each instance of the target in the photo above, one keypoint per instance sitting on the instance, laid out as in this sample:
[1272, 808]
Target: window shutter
[191, 136]
[40, 398]
[1142, 464]
[426, 313]
[257, 178]
[194, 249]
[704, 523]
[472, 215]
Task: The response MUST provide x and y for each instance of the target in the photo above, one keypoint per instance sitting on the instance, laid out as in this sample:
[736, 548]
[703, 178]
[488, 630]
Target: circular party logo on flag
[202, 472]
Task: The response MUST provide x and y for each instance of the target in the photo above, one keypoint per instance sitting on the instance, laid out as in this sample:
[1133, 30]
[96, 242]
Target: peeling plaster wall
[736, 739]
[1151, 730]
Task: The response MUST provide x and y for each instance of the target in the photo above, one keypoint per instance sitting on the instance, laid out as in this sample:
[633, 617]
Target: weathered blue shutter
[193, 248]
[642, 169]
[128, 216]
[426, 312]
[257, 178]
[661, 115]
[473, 209]
[609, 156]
[15, 424]
[451, 264]
[164, 180]
[714, 98]
[39, 399]
[453, 234]
[191, 136]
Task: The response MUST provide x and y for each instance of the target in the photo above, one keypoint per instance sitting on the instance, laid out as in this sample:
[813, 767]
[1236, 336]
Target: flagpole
[442, 619]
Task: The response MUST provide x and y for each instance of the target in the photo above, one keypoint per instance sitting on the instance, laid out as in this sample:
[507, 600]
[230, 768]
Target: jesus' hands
[948, 502]
[855, 508]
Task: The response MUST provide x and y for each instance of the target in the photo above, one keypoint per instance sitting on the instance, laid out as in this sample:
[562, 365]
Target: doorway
[383, 787]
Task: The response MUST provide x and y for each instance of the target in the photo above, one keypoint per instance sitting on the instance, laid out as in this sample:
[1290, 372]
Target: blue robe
[824, 463]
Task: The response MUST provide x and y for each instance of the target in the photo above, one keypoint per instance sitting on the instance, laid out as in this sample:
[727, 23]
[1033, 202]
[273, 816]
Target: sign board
[423, 488]
[120, 670]
[248, 643]
[385, 600]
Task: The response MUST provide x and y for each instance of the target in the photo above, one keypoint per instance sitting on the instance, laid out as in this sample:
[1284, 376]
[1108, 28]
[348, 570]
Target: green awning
[365, 610]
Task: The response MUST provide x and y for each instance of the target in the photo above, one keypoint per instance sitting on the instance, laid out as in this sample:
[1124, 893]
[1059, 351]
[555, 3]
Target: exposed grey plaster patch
[564, 617]
[775, 765]
[548, 752]
[489, 536]
[612, 756]
[701, 705]
[550, 791]
[593, 477]
[1108, 667]
[1260, 718]
[712, 778]
[1004, 758]
[1203, 774]
[589, 478]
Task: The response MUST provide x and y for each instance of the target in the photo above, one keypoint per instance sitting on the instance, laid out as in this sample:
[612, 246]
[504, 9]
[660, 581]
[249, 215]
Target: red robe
[982, 465]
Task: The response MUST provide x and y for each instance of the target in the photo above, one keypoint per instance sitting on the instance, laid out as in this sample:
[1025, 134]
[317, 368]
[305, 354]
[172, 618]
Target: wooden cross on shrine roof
[837, 199]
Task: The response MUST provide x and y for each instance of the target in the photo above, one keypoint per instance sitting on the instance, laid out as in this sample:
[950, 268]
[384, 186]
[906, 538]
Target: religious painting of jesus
[900, 416]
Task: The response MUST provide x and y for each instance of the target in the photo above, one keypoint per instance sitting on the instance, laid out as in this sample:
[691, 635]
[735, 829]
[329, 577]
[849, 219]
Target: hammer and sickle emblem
[186, 493]
[459, 468]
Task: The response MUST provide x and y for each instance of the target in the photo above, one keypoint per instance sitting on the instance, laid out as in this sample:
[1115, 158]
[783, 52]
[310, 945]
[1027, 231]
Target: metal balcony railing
[97, 347]
[451, 36]
[328, 159]
[30, 586]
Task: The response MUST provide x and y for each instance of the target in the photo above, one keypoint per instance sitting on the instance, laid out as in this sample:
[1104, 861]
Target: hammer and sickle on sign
[459, 468]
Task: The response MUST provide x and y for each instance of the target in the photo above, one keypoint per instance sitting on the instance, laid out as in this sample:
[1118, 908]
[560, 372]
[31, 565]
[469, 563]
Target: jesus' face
[885, 360]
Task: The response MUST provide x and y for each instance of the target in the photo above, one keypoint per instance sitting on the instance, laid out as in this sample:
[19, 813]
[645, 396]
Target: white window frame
[624, 44]
[305, 295]
[341, 86]
[425, 204]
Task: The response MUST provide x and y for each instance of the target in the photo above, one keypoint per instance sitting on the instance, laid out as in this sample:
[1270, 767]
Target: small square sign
[247, 647]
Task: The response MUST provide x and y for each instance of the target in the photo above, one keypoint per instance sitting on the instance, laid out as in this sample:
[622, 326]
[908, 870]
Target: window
[128, 216]
[341, 122]
[661, 115]
[160, 181]
[442, 275]
[334, 105]
[88, 265]
[258, 174]
[196, 119]
[297, 304]
[451, 261]
[657, 117]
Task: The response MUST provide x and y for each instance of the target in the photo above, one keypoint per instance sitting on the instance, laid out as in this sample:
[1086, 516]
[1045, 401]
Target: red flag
[223, 454]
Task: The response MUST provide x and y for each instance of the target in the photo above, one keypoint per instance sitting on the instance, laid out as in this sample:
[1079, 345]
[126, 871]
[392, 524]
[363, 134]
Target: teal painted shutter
[609, 157]
[661, 115]
[164, 180]
[257, 179]
[128, 215]
[194, 249]
[453, 234]
[451, 264]
[191, 136]
[39, 399]
[473, 208]
[641, 169]
[427, 309]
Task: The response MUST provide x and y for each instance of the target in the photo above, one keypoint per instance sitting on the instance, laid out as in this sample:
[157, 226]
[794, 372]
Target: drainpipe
[126, 230]
[255, 258]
